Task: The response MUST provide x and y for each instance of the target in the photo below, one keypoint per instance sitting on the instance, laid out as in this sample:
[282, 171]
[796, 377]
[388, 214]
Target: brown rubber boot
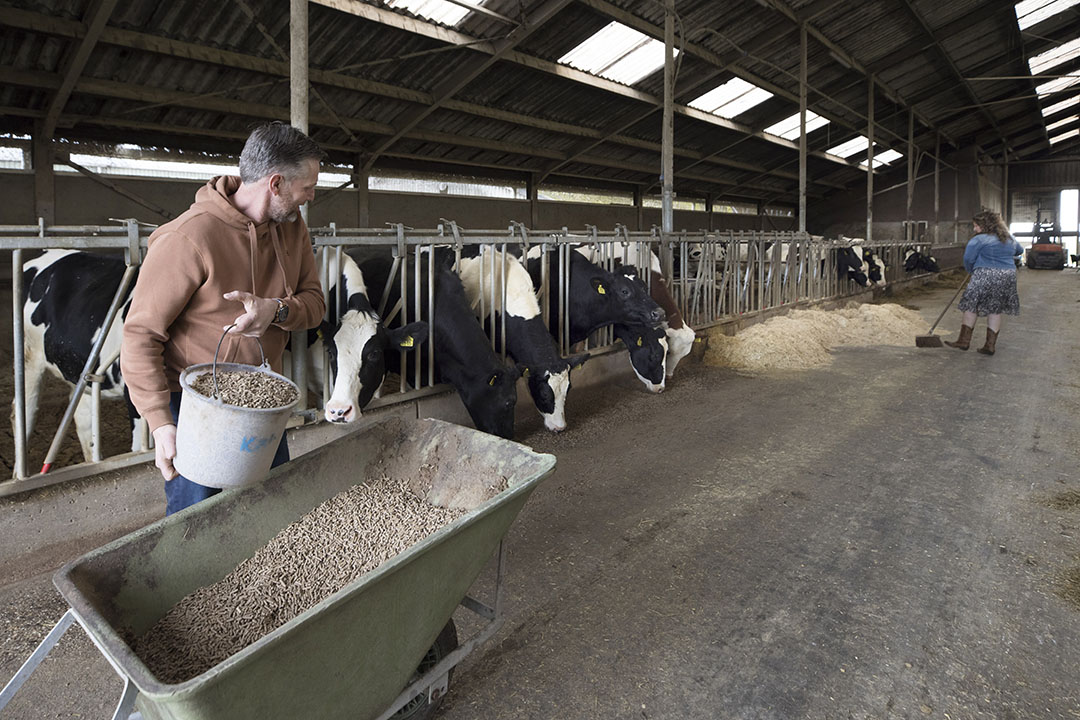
[964, 341]
[991, 342]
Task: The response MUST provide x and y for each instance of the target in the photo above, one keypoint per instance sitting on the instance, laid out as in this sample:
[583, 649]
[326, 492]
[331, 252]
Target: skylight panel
[1059, 123]
[884, 158]
[788, 128]
[1063, 105]
[1061, 83]
[1033, 12]
[439, 11]
[1054, 56]
[857, 144]
[1065, 136]
[734, 97]
[618, 53]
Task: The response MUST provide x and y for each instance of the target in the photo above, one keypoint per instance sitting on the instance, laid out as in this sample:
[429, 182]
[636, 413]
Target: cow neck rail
[712, 278]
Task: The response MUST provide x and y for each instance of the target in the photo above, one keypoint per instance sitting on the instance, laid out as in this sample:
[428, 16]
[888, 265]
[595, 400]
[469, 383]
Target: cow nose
[658, 314]
[339, 413]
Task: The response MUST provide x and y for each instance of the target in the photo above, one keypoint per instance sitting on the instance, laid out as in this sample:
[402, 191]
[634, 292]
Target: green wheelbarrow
[351, 655]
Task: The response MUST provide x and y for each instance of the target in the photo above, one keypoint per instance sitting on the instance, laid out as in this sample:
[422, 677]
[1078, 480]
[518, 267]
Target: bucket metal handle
[214, 368]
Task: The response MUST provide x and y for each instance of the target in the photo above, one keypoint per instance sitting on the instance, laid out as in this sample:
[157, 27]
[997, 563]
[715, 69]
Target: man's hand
[258, 313]
[165, 450]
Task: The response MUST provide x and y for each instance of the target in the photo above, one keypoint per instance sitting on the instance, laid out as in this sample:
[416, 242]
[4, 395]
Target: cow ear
[576, 361]
[598, 286]
[409, 336]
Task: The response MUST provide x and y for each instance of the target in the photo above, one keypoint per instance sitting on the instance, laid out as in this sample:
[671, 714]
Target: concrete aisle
[870, 540]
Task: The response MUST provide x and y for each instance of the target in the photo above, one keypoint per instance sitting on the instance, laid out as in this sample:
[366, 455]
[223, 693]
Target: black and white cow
[680, 336]
[915, 261]
[465, 360]
[598, 298]
[873, 266]
[527, 338]
[66, 296]
[849, 266]
[358, 343]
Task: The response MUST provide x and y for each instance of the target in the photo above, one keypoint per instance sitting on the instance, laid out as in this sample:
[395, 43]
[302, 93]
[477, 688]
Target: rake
[932, 340]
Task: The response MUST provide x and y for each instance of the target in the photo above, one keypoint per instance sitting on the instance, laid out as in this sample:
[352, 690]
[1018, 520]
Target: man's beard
[281, 214]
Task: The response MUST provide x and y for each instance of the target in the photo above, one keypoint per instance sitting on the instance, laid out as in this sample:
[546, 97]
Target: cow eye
[625, 292]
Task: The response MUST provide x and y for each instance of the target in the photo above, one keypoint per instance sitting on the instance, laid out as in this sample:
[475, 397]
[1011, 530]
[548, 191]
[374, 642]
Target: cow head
[549, 385]
[357, 351]
[627, 295]
[491, 403]
[648, 348]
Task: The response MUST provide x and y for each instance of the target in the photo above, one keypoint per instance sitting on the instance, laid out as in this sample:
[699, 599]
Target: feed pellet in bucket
[335, 543]
[246, 389]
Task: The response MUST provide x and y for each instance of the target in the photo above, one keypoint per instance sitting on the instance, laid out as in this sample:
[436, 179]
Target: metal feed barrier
[714, 276]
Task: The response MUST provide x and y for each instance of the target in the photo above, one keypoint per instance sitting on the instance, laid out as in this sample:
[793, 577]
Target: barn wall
[1045, 176]
[81, 201]
[844, 213]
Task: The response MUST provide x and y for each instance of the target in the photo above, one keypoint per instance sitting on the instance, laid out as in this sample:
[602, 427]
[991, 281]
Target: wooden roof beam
[458, 80]
[96, 16]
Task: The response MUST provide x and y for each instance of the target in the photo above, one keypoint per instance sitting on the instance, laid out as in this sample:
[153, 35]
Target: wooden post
[44, 177]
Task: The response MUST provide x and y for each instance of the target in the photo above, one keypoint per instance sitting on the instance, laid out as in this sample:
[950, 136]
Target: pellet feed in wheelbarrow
[351, 533]
[351, 654]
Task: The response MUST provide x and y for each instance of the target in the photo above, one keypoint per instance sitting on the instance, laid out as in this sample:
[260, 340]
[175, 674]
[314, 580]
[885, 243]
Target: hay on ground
[804, 338]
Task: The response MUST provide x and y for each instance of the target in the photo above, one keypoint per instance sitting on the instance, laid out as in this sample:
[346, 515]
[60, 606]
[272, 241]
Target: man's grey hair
[276, 148]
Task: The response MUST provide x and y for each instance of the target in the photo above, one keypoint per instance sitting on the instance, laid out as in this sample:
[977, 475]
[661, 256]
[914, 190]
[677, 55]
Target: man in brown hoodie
[240, 254]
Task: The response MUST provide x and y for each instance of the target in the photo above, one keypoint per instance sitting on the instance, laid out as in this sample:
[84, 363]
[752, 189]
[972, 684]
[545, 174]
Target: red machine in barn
[1047, 250]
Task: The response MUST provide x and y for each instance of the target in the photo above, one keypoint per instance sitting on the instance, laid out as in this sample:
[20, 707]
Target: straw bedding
[334, 544]
[803, 338]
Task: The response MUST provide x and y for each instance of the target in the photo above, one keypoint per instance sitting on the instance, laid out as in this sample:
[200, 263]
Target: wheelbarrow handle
[962, 286]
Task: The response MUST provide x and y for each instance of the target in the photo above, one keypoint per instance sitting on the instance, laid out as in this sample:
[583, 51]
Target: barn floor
[894, 536]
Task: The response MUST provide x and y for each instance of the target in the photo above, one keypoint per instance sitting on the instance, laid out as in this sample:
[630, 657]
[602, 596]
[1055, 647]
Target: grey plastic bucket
[220, 445]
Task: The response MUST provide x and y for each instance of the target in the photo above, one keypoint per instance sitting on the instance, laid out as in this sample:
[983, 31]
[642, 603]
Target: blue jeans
[181, 492]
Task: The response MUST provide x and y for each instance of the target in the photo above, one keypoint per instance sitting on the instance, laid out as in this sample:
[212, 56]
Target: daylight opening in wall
[171, 169]
[445, 184]
[734, 207]
[1068, 216]
[657, 201]
[12, 158]
[590, 196]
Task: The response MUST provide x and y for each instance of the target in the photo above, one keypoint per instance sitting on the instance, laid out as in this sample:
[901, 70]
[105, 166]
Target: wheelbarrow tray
[350, 655]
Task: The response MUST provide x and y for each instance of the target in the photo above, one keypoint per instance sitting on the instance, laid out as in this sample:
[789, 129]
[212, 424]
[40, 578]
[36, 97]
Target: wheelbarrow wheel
[419, 708]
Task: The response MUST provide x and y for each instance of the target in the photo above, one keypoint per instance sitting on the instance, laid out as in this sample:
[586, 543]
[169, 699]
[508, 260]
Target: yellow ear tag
[492, 381]
[600, 289]
[525, 373]
[318, 333]
[578, 367]
[408, 341]
[639, 342]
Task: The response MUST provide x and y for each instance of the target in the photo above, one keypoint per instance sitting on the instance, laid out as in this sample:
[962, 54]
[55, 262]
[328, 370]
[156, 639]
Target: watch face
[282, 312]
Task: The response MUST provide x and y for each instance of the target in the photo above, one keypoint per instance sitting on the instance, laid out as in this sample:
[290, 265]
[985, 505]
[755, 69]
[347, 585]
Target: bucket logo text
[253, 444]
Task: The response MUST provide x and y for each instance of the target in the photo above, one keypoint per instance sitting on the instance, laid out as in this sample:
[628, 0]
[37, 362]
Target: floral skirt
[991, 291]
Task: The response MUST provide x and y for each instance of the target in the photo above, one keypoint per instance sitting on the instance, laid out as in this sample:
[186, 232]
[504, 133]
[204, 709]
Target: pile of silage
[803, 338]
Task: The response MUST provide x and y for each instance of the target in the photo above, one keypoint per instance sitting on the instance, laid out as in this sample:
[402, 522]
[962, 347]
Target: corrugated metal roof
[177, 73]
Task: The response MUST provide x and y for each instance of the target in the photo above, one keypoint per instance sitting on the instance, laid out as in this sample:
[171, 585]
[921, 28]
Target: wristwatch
[282, 312]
